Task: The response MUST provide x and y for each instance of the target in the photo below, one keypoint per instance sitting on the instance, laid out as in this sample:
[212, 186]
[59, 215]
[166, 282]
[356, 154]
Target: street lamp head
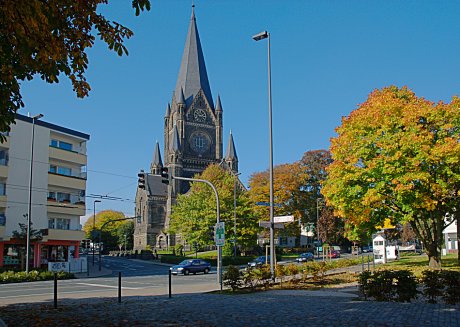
[37, 116]
[95, 201]
[260, 36]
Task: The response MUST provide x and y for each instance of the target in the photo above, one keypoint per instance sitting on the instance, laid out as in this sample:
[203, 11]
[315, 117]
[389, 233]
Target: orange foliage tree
[398, 156]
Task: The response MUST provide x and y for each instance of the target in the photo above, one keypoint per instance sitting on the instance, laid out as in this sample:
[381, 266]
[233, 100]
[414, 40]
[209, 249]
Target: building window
[52, 196]
[2, 189]
[4, 157]
[64, 171]
[53, 169]
[63, 197]
[51, 223]
[2, 219]
[61, 145]
[62, 223]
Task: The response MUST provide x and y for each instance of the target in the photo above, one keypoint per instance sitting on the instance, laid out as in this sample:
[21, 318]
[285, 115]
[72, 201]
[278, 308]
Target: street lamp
[234, 212]
[258, 37]
[29, 214]
[94, 227]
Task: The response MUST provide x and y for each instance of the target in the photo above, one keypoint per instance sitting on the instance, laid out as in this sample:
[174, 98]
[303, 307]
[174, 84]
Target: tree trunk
[434, 255]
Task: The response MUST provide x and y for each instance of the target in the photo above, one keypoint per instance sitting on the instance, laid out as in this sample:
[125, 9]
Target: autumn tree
[330, 228]
[195, 211]
[397, 157]
[286, 194]
[49, 38]
[109, 235]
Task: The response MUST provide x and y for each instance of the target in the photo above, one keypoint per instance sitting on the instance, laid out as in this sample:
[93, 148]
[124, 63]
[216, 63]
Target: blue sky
[327, 56]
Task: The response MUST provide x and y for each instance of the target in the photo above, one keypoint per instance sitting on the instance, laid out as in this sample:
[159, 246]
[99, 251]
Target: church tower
[193, 126]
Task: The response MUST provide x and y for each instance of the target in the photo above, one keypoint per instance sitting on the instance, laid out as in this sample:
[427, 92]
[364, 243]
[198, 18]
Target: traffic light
[165, 175]
[212, 233]
[141, 180]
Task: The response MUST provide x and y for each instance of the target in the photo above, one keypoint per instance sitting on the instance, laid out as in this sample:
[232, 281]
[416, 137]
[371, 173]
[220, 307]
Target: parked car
[308, 256]
[334, 254]
[259, 261]
[191, 266]
[367, 249]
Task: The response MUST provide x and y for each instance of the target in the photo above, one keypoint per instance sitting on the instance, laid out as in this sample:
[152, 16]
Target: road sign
[283, 219]
[266, 224]
[267, 204]
[220, 234]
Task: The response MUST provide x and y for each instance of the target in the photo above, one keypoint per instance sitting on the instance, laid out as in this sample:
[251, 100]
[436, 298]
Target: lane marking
[109, 286]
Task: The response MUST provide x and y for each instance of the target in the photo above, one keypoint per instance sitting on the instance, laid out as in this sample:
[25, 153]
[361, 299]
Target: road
[138, 279]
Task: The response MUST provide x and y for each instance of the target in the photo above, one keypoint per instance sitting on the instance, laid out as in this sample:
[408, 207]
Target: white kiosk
[379, 245]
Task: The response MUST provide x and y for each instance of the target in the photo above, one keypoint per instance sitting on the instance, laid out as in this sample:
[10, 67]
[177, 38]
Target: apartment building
[55, 181]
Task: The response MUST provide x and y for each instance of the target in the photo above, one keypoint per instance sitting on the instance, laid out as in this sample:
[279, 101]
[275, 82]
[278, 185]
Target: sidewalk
[93, 271]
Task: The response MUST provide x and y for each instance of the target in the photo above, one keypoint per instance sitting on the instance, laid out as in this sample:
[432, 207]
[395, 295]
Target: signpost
[266, 224]
[220, 233]
[283, 219]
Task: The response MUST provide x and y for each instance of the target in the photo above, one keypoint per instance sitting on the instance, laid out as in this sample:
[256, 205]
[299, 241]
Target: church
[193, 125]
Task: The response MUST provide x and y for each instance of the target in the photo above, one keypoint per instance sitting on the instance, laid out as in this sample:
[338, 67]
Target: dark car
[259, 261]
[191, 266]
[367, 249]
[334, 254]
[308, 256]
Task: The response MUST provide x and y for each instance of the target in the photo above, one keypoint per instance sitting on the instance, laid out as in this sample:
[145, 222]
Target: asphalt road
[138, 279]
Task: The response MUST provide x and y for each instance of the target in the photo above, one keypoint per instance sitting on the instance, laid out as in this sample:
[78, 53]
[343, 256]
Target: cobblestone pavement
[271, 308]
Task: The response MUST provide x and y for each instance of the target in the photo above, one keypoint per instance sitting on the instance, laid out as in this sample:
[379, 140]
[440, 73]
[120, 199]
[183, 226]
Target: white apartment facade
[57, 190]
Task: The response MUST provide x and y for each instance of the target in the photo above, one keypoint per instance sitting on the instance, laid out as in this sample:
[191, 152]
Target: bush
[445, 283]
[32, 276]
[452, 281]
[388, 285]
[232, 278]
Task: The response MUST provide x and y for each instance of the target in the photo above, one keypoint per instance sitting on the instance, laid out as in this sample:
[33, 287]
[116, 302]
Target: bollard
[119, 287]
[170, 283]
[368, 263]
[55, 290]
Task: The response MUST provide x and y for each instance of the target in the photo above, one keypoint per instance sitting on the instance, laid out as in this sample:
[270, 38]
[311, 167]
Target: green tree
[397, 156]
[125, 233]
[49, 38]
[195, 211]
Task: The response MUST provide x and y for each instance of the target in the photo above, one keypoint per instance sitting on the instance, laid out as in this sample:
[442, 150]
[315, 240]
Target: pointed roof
[181, 98]
[218, 104]
[231, 151]
[168, 111]
[175, 144]
[157, 156]
[192, 74]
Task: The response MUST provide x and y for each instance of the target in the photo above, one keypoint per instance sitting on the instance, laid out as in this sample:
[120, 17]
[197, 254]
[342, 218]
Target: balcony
[73, 182]
[62, 235]
[67, 155]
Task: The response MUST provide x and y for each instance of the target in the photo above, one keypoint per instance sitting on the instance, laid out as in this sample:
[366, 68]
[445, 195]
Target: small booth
[379, 245]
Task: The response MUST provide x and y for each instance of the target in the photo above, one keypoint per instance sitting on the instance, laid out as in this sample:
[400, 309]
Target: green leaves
[396, 157]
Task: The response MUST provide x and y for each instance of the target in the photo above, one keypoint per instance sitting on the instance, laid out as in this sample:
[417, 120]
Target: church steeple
[192, 74]
[157, 164]
[231, 159]
[175, 144]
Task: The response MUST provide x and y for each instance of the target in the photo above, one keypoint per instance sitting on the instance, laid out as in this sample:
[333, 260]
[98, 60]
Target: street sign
[220, 234]
[267, 204]
[266, 224]
[283, 219]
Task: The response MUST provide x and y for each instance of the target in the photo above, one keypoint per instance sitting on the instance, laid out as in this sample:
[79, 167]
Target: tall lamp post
[258, 37]
[234, 212]
[94, 228]
[29, 214]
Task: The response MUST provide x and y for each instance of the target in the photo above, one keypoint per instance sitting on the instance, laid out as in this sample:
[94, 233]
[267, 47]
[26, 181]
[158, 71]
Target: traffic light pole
[219, 247]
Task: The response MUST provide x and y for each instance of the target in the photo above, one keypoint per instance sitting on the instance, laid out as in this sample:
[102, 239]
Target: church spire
[192, 74]
[157, 164]
[218, 104]
[231, 152]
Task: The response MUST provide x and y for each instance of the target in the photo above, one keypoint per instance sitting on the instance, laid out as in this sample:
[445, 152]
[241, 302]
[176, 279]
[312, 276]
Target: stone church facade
[193, 125]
